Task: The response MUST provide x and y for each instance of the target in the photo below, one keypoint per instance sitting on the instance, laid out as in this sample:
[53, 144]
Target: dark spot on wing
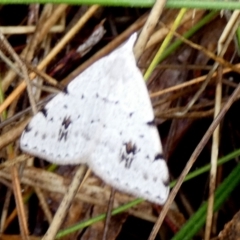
[44, 112]
[97, 95]
[63, 131]
[166, 182]
[65, 90]
[44, 136]
[151, 123]
[28, 128]
[65, 106]
[145, 176]
[130, 148]
[82, 96]
[137, 189]
[141, 136]
[104, 126]
[158, 197]
[128, 153]
[36, 133]
[116, 102]
[115, 179]
[62, 135]
[78, 116]
[130, 114]
[66, 122]
[120, 133]
[86, 137]
[92, 121]
[159, 156]
[147, 157]
[51, 119]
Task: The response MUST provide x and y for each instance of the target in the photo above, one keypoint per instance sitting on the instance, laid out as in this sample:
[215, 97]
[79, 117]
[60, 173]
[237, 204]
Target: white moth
[105, 120]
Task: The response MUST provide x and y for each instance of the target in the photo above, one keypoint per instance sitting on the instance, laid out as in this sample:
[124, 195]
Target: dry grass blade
[148, 27]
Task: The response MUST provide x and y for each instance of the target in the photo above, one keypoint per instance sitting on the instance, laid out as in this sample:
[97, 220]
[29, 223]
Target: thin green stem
[198, 4]
[165, 43]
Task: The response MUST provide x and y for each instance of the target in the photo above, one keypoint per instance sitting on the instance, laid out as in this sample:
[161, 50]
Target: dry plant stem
[49, 17]
[214, 157]
[229, 31]
[24, 71]
[5, 209]
[17, 116]
[22, 218]
[218, 58]
[21, 158]
[50, 56]
[106, 50]
[195, 107]
[170, 138]
[19, 203]
[65, 204]
[6, 183]
[42, 74]
[43, 204]
[56, 184]
[47, 24]
[192, 160]
[183, 67]
[189, 83]
[28, 29]
[148, 28]
[13, 134]
[37, 190]
[142, 215]
[197, 114]
[17, 237]
[223, 44]
[165, 43]
[12, 108]
[10, 64]
[38, 80]
[199, 92]
[51, 182]
[173, 97]
[108, 217]
[10, 218]
[193, 115]
[14, 173]
[192, 15]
